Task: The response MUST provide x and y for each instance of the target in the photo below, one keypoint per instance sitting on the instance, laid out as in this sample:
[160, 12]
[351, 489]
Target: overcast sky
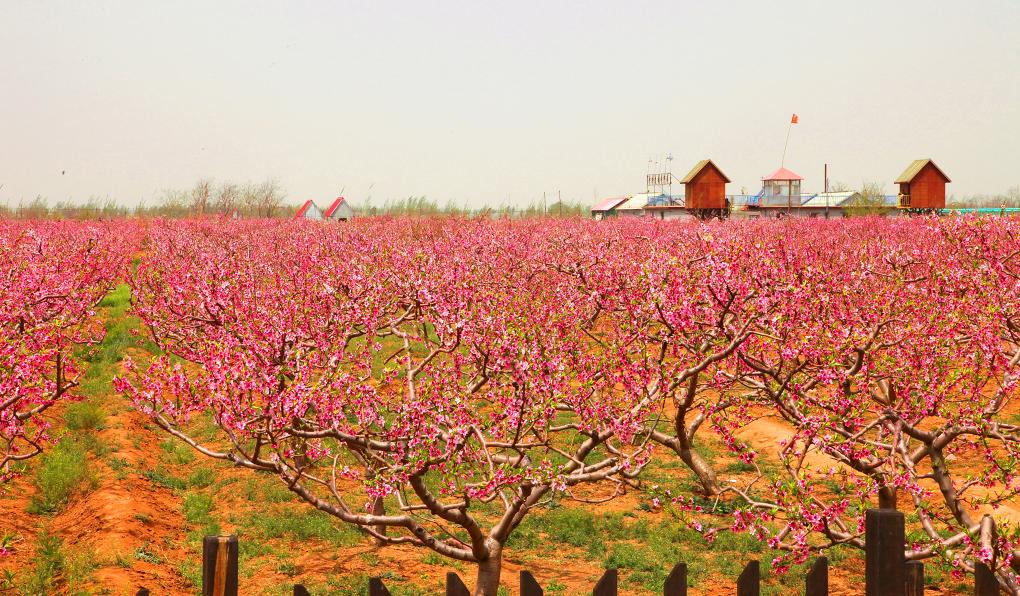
[481, 101]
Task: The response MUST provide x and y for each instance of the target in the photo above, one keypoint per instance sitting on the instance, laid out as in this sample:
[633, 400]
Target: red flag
[794, 119]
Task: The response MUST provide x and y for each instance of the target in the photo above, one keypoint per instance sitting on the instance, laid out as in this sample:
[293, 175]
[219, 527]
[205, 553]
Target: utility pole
[559, 199]
[826, 191]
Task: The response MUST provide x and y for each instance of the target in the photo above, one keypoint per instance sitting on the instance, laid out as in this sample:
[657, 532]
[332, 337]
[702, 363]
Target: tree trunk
[701, 469]
[887, 497]
[487, 583]
[378, 509]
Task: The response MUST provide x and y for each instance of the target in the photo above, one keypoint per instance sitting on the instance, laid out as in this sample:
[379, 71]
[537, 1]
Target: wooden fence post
[219, 566]
[817, 580]
[142, 592]
[749, 582]
[455, 587]
[913, 572]
[985, 583]
[676, 581]
[883, 552]
[376, 587]
[530, 587]
[607, 585]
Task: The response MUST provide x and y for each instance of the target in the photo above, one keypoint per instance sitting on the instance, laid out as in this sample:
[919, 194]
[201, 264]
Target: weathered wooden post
[219, 566]
[749, 582]
[817, 580]
[530, 587]
[883, 553]
[454, 586]
[913, 574]
[607, 585]
[676, 581]
[142, 592]
[376, 587]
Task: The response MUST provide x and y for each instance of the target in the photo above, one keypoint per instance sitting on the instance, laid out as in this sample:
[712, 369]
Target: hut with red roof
[309, 211]
[340, 210]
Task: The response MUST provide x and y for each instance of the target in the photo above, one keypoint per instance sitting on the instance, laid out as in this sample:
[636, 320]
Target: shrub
[201, 478]
[161, 477]
[64, 471]
[84, 415]
[49, 563]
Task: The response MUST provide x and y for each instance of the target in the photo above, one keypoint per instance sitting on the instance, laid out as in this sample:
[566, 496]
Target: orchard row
[435, 381]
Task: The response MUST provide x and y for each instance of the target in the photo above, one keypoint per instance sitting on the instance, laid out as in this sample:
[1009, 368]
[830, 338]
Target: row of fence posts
[886, 573]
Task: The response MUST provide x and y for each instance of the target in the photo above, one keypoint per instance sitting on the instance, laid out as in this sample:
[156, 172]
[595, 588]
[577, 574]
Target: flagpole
[789, 127]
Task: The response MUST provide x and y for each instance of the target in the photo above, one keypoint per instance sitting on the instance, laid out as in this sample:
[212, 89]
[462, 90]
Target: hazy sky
[478, 101]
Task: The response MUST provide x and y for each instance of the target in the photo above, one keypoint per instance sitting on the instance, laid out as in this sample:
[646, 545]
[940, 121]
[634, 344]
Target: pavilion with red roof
[781, 188]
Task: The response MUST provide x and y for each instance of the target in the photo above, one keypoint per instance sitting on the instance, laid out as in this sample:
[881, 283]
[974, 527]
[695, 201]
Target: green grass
[161, 477]
[191, 572]
[176, 452]
[63, 472]
[49, 564]
[146, 554]
[197, 507]
[356, 584]
[85, 416]
[575, 527]
[645, 567]
[299, 524]
[197, 511]
[56, 568]
[266, 489]
[103, 361]
[201, 477]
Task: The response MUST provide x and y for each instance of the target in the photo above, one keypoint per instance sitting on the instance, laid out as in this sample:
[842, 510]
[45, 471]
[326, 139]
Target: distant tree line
[205, 197]
[1011, 198]
[267, 199]
[423, 206]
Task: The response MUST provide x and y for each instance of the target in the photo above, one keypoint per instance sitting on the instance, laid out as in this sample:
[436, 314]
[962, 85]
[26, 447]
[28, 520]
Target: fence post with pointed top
[676, 581]
[817, 581]
[749, 582]
[454, 586]
[529, 586]
[607, 585]
[376, 587]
